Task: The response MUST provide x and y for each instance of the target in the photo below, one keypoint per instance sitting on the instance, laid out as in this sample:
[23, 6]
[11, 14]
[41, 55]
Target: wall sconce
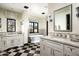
[50, 19]
[50, 16]
[77, 11]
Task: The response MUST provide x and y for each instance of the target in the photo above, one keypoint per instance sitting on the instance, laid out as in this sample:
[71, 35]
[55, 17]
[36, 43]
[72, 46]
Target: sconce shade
[77, 11]
[77, 14]
[50, 20]
[49, 16]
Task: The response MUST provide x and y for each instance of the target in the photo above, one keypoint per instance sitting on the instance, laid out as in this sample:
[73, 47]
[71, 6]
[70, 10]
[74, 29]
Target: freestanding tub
[35, 38]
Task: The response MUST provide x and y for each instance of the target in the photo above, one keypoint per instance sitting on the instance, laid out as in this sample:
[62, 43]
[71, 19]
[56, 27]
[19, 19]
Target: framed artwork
[11, 25]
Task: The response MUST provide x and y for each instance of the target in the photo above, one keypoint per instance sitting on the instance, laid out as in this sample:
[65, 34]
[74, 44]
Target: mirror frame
[70, 20]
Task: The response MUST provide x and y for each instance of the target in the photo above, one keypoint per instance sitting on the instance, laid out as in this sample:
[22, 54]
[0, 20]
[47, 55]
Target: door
[46, 27]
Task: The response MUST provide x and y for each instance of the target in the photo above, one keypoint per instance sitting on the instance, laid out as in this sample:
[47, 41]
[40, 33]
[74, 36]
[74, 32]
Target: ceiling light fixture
[26, 7]
[43, 13]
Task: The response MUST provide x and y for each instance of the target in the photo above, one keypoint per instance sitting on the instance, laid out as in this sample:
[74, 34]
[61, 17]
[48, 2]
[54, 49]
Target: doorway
[46, 27]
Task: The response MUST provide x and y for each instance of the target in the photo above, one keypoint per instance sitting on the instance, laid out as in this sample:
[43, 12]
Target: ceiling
[34, 8]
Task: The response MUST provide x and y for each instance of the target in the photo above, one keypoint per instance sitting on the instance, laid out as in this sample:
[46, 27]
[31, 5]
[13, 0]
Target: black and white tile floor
[28, 49]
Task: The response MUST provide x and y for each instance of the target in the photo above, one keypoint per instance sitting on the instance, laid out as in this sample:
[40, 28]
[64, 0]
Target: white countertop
[62, 40]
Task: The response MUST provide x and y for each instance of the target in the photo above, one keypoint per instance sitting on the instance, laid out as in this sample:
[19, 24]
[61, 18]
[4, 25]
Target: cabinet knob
[71, 49]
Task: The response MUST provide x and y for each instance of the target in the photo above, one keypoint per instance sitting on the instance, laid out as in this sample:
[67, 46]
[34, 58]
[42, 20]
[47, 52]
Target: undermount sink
[75, 40]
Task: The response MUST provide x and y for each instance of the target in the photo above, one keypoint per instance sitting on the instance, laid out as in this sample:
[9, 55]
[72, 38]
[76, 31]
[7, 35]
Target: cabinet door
[4, 46]
[1, 44]
[67, 51]
[42, 47]
[45, 50]
[71, 51]
[12, 43]
[7, 43]
[20, 41]
[48, 50]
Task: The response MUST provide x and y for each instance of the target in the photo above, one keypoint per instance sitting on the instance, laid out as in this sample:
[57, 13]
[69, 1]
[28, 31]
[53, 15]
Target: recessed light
[43, 13]
[26, 7]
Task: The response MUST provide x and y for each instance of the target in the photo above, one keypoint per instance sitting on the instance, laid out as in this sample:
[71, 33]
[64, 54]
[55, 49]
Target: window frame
[8, 25]
[35, 28]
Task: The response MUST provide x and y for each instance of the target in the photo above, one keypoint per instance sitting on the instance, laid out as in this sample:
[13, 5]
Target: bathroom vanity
[62, 42]
[58, 46]
[8, 40]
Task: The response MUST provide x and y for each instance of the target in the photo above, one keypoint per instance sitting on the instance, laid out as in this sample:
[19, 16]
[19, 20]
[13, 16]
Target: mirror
[62, 19]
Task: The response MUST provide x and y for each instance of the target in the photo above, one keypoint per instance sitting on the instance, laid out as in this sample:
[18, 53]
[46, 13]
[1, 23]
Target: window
[0, 23]
[33, 27]
[11, 25]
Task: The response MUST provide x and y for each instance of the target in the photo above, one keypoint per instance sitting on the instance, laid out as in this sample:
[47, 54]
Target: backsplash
[65, 35]
[62, 35]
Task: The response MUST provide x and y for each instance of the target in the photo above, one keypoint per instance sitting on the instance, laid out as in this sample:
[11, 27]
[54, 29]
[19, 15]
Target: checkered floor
[28, 49]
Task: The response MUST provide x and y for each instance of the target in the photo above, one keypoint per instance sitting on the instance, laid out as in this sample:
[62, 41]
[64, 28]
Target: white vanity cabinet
[6, 42]
[9, 41]
[47, 50]
[50, 48]
[55, 48]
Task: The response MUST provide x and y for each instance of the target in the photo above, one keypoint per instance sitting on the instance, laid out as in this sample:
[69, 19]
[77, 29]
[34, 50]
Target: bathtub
[35, 38]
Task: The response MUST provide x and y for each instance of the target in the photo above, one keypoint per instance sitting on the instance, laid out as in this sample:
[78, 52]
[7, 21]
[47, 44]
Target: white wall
[4, 14]
[75, 20]
[25, 26]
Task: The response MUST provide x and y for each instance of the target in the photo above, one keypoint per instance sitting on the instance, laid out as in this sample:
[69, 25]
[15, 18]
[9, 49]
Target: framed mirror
[63, 19]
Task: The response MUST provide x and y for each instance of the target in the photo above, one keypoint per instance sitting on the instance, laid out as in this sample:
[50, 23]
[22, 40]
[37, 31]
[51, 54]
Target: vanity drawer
[71, 50]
